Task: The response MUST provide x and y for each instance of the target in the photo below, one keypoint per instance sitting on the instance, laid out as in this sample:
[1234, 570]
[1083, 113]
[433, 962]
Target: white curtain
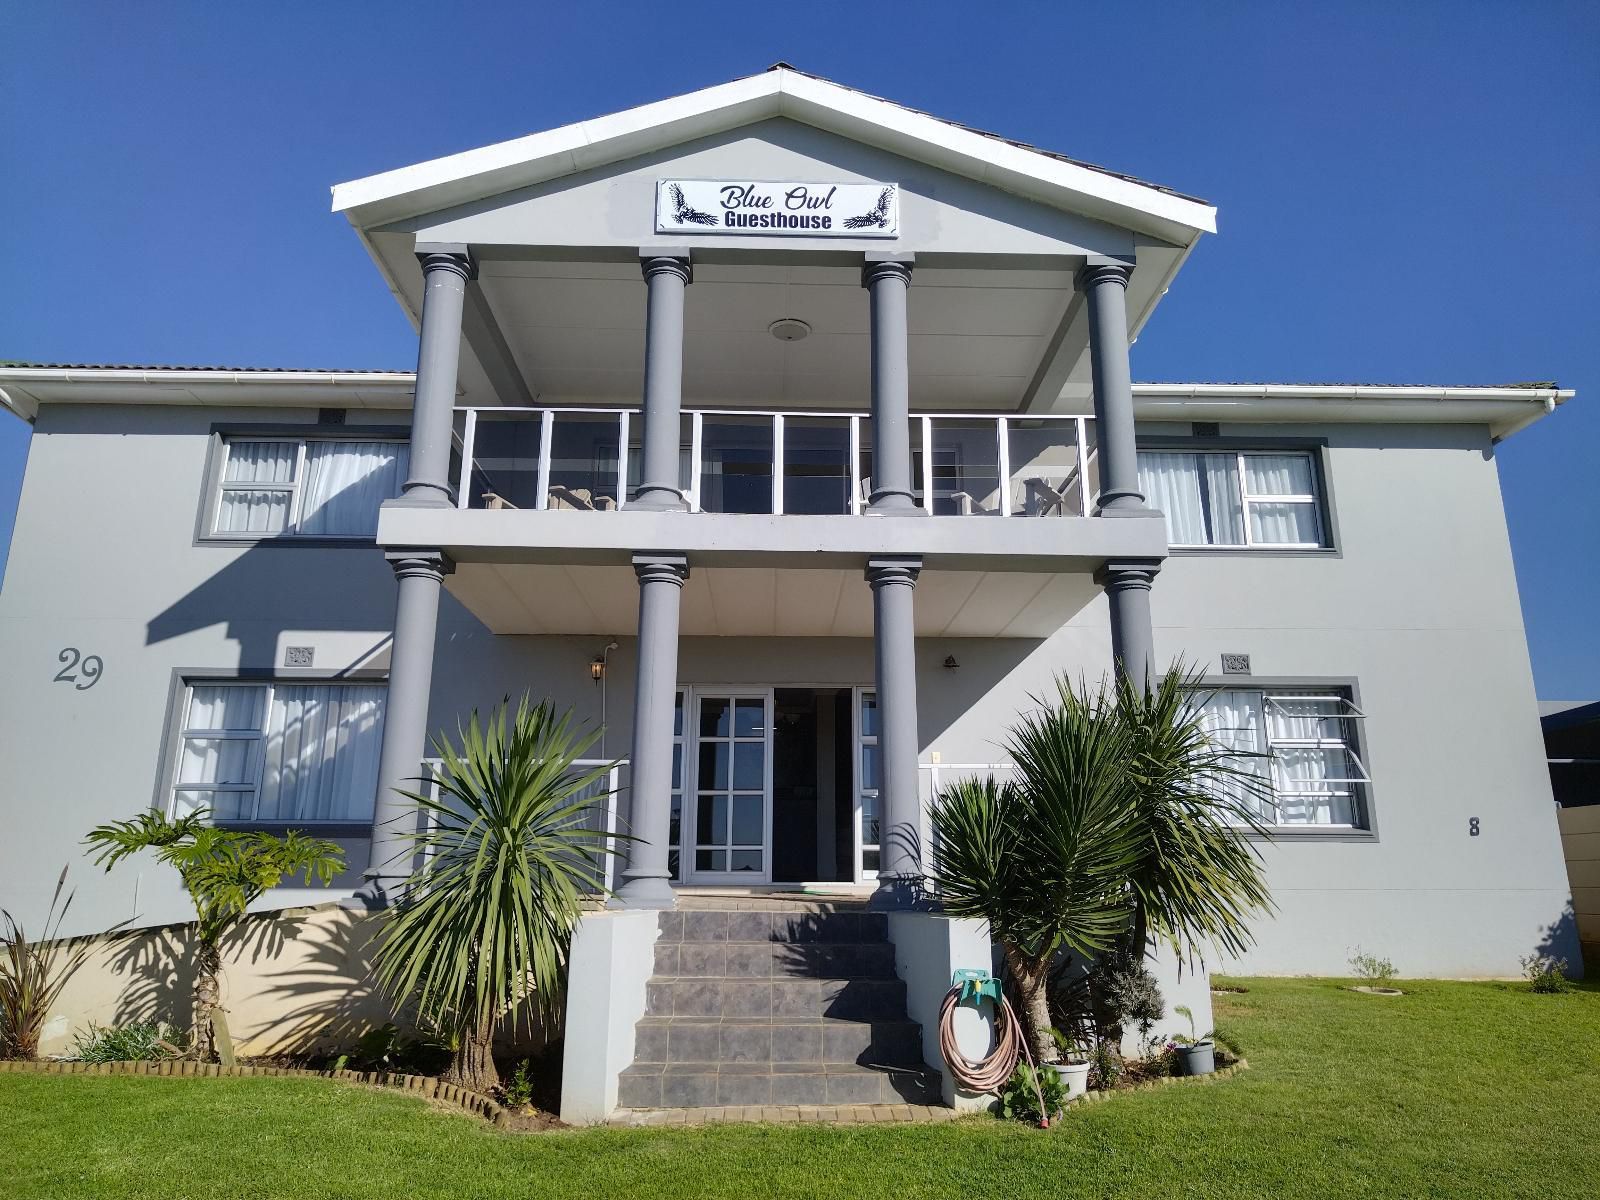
[1234, 721]
[209, 759]
[322, 753]
[346, 482]
[262, 509]
[1278, 475]
[1198, 493]
[1282, 522]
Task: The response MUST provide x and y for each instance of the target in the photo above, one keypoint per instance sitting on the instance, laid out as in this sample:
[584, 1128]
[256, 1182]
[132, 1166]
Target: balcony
[778, 528]
[775, 463]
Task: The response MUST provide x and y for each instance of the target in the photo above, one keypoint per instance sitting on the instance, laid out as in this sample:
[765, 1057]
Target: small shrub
[1376, 971]
[1226, 1039]
[518, 1090]
[1545, 974]
[1019, 1098]
[32, 975]
[1105, 1067]
[1125, 994]
[141, 1041]
[385, 1048]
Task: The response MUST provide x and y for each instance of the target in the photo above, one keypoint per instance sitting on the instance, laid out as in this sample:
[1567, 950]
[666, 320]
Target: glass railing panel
[735, 463]
[584, 461]
[816, 465]
[966, 466]
[504, 459]
[1045, 476]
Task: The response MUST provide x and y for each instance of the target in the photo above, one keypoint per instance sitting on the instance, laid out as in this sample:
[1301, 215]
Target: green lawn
[1456, 1089]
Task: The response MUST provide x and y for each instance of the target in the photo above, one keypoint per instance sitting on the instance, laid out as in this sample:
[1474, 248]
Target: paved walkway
[832, 1114]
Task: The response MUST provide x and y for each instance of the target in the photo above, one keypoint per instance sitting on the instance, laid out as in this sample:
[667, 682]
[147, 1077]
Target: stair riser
[877, 1043]
[710, 1091]
[841, 999]
[692, 926]
[775, 960]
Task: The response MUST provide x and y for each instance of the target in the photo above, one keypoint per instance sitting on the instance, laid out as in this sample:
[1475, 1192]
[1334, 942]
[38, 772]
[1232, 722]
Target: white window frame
[1247, 498]
[1352, 787]
[860, 739]
[258, 754]
[295, 487]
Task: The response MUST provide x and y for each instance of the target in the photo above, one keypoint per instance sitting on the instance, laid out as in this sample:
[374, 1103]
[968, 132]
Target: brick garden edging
[491, 1111]
[423, 1085]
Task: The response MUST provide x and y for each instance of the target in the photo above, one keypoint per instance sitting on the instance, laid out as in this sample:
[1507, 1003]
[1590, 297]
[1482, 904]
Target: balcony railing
[775, 462]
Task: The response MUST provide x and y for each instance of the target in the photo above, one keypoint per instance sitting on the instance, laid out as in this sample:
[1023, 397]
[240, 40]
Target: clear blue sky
[1408, 192]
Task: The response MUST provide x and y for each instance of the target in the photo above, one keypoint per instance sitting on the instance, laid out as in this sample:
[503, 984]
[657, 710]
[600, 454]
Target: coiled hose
[989, 1073]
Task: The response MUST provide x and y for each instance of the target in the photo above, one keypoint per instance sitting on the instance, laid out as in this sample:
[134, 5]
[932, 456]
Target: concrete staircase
[775, 1002]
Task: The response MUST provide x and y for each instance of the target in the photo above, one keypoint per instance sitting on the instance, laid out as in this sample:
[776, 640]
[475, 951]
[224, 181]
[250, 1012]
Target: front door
[732, 822]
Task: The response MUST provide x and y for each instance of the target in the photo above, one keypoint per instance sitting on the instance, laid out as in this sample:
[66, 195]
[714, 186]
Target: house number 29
[80, 671]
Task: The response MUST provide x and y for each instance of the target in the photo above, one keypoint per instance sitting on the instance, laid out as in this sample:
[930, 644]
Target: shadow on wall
[1559, 939]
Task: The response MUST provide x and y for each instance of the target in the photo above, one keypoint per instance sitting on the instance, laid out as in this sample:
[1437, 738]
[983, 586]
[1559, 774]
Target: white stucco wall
[1418, 606]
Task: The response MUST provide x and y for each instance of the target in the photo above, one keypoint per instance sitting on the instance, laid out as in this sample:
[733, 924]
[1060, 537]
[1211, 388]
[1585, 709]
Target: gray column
[887, 278]
[445, 272]
[647, 880]
[1127, 584]
[893, 580]
[666, 276]
[1105, 287]
[419, 574]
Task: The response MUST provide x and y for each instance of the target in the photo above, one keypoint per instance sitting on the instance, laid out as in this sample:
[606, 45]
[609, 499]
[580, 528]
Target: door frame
[689, 820]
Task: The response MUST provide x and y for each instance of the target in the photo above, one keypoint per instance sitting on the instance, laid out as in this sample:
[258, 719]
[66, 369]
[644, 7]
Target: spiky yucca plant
[1044, 858]
[33, 974]
[485, 922]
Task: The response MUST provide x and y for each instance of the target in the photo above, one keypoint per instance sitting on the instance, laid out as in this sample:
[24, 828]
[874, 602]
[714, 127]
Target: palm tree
[224, 871]
[485, 923]
[1198, 881]
[1045, 858]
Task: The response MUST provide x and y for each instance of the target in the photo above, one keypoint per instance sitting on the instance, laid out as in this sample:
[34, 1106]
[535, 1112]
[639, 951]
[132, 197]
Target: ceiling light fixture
[789, 329]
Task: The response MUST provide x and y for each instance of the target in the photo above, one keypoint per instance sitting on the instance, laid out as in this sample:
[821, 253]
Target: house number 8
[1472, 826]
[78, 667]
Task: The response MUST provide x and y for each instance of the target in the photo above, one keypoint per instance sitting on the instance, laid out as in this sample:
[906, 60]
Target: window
[1310, 738]
[310, 488]
[280, 752]
[868, 782]
[1248, 498]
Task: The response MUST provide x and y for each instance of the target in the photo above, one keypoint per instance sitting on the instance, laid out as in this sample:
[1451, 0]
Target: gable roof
[780, 91]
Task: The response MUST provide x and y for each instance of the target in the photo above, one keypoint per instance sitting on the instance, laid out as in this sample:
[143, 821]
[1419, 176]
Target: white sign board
[766, 209]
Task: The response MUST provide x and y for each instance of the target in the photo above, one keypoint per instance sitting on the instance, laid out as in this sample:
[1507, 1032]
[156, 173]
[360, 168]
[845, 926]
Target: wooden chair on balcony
[581, 499]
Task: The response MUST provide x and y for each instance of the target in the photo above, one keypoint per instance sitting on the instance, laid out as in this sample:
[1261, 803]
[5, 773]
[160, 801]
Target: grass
[1456, 1089]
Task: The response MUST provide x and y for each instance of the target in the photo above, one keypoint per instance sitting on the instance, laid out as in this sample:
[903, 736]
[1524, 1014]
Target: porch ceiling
[538, 598]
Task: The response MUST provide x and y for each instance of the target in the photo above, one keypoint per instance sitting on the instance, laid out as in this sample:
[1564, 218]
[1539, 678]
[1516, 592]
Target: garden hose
[989, 1073]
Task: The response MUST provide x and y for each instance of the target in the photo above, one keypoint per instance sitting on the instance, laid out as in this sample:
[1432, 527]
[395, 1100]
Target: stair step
[775, 960]
[713, 1084]
[811, 924]
[856, 999]
[812, 1040]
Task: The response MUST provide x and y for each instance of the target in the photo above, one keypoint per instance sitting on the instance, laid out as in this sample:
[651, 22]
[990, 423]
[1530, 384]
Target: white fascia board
[1505, 410]
[522, 162]
[23, 389]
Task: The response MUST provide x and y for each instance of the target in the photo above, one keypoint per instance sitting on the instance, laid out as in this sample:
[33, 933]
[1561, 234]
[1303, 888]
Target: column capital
[893, 569]
[427, 564]
[1101, 270]
[1123, 574]
[661, 567]
[447, 256]
[668, 260]
[886, 264]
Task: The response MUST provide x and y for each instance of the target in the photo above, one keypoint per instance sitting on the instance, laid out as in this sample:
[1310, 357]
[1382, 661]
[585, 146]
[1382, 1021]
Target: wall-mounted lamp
[950, 663]
[597, 668]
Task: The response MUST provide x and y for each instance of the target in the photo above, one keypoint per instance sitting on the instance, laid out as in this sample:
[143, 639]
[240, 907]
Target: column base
[893, 504]
[902, 893]
[663, 499]
[644, 892]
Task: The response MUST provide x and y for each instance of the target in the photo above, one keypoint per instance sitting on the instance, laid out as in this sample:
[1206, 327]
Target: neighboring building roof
[1567, 714]
[780, 91]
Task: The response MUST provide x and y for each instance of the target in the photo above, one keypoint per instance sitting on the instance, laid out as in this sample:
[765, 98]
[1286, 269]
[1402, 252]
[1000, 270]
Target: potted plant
[1073, 1067]
[1196, 1055]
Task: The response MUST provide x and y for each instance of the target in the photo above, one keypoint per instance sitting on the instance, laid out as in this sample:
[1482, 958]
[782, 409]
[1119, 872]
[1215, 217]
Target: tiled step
[775, 960]
[858, 999]
[815, 1040]
[809, 924]
[710, 1085]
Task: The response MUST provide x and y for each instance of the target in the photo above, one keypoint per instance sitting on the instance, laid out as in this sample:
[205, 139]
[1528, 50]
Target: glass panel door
[733, 785]
[868, 809]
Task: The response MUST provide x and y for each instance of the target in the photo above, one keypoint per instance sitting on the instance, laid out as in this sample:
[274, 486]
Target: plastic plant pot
[1074, 1077]
[1198, 1059]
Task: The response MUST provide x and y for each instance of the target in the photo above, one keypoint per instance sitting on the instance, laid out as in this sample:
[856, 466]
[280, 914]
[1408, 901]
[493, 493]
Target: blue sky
[1408, 193]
